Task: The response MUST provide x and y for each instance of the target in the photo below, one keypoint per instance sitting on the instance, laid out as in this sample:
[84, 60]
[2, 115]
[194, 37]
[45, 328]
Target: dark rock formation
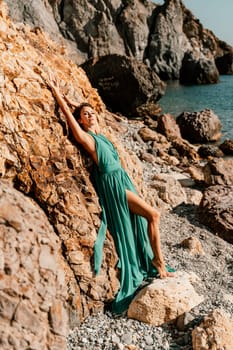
[216, 211]
[196, 70]
[124, 83]
[199, 127]
[219, 172]
[206, 151]
[227, 147]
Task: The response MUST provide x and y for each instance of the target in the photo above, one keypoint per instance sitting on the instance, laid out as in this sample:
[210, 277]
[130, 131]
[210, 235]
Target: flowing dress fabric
[129, 231]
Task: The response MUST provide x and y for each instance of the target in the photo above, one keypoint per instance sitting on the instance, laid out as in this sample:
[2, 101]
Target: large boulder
[165, 299]
[216, 210]
[199, 127]
[123, 82]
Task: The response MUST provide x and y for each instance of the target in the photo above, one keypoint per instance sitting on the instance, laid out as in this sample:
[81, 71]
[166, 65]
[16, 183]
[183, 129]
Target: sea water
[218, 97]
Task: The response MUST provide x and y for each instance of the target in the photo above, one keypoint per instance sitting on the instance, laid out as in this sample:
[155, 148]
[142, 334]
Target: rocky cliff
[161, 41]
[159, 35]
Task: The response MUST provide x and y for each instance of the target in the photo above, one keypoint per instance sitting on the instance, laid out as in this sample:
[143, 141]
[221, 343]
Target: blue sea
[218, 97]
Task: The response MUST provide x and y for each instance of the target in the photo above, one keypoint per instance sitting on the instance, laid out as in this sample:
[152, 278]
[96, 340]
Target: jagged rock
[218, 171]
[124, 83]
[199, 127]
[35, 14]
[227, 147]
[216, 210]
[103, 27]
[164, 300]
[214, 333]
[198, 70]
[167, 126]
[133, 24]
[33, 288]
[167, 42]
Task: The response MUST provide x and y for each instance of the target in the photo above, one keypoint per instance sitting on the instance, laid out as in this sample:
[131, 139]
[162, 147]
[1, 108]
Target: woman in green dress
[132, 222]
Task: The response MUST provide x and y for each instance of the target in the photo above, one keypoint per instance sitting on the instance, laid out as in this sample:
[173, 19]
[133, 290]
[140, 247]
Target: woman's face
[88, 118]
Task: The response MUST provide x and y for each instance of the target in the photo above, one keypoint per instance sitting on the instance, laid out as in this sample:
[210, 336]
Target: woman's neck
[95, 130]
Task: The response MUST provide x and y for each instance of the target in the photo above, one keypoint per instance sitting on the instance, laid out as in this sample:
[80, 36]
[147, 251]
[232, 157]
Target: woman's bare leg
[138, 206]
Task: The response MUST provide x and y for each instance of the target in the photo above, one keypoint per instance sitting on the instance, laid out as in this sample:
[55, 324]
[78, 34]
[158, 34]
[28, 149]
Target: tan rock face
[33, 286]
[214, 333]
[164, 300]
[39, 155]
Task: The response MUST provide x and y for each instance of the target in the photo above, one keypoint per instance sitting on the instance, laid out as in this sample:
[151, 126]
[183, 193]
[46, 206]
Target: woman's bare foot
[160, 266]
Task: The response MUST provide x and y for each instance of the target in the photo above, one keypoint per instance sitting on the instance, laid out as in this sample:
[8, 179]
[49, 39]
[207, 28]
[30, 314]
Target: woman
[133, 223]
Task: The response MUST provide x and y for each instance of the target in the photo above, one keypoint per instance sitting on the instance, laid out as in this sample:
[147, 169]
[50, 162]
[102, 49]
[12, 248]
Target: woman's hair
[78, 109]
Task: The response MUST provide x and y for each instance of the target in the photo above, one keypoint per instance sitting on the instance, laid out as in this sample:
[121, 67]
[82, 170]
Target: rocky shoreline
[50, 213]
[213, 265]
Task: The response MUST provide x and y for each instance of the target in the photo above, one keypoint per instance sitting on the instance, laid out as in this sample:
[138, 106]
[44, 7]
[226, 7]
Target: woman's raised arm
[80, 135]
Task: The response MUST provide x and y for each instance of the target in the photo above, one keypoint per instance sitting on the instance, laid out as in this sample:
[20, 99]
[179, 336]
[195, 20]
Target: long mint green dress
[129, 231]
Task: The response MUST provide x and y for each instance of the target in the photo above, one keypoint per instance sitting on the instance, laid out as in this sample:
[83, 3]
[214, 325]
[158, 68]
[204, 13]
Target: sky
[216, 15]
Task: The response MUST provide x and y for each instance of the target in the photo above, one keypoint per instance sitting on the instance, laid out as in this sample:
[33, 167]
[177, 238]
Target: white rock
[165, 299]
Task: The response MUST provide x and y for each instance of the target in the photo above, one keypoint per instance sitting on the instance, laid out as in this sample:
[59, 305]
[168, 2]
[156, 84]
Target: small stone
[149, 340]
[126, 338]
